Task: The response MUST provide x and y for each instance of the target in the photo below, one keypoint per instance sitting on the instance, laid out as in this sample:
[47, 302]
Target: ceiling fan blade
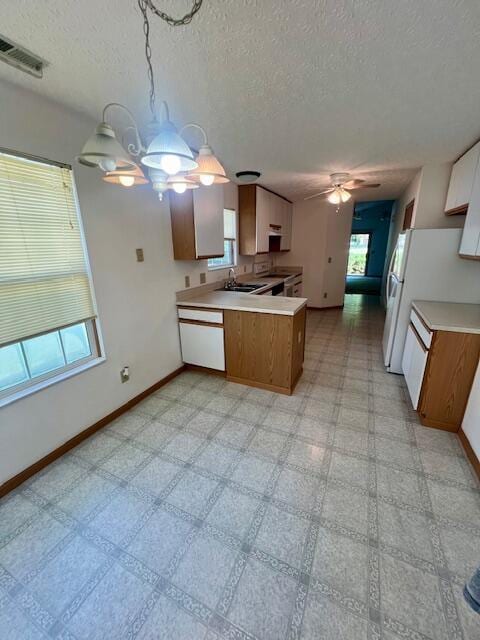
[320, 193]
[370, 185]
[353, 183]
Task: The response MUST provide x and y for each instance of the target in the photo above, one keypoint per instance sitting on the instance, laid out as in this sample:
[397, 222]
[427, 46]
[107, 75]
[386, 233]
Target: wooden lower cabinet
[452, 361]
[264, 350]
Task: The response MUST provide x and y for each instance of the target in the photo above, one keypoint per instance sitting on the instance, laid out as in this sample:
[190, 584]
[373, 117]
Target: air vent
[21, 58]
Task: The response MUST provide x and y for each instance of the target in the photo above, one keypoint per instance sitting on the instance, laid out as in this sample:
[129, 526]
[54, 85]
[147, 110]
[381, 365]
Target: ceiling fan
[341, 185]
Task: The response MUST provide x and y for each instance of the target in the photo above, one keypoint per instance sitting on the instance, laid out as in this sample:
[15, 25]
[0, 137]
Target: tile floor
[214, 510]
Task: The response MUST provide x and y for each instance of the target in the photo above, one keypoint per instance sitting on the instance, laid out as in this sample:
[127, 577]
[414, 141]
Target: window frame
[94, 333]
[234, 246]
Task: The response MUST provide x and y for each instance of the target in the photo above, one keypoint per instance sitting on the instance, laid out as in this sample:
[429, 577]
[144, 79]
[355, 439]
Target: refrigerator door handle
[389, 277]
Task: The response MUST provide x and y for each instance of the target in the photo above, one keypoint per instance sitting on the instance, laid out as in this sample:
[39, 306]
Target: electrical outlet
[139, 253]
[329, 260]
[125, 374]
[203, 278]
[245, 269]
[187, 282]
[325, 294]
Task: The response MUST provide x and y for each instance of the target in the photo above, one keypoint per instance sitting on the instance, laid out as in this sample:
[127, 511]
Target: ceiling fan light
[209, 170]
[345, 195]
[334, 197]
[169, 152]
[103, 150]
[126, 177]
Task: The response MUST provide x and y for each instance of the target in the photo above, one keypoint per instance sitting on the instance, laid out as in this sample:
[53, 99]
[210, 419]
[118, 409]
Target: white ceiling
[294, 88]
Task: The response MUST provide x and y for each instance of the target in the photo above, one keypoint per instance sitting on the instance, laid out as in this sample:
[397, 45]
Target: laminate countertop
[245, 302]
[449, 316]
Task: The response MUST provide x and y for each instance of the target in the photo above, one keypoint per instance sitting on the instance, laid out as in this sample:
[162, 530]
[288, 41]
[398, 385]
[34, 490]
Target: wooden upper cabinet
[464, 174]
[260, 213]
[197, 223]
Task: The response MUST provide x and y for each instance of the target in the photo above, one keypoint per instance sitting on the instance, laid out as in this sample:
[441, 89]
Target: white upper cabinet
[262, 213]
[286, 242]
[462, 181]
[197, 223]
[470, 243]
[208, 217]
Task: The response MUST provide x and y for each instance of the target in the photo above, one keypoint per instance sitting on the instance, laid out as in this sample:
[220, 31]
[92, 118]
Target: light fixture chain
[175, 22]
[143, 6]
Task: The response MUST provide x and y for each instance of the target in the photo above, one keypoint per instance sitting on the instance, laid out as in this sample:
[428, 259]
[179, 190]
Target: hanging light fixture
[167, 154]
[103, 150]
[126, 177]
[209, 170]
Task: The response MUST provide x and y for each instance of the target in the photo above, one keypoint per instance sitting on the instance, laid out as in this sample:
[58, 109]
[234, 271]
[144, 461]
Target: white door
[394, 290]
[414, 361]
[202, 345]
[208, 219]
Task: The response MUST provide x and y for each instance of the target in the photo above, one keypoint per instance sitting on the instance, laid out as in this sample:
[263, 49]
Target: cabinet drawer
[424, 333]
[202, 345]
[215, 317]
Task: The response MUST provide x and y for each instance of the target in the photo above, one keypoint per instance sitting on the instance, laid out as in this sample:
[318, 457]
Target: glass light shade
[334, 197]
[180, 187]
[126, 177]
[102, 149]
[166, 146]
[345, 195]
[209, 170]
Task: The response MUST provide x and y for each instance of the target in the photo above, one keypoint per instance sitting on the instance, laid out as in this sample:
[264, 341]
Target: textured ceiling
[294, 88]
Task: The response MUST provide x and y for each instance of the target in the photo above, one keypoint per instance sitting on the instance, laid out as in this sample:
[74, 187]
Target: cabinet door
[208, 221]
[202, 345]
[470, 243]
[466, 170]
[414, 361]
[462, 179]
[263, 210]
[286, 243]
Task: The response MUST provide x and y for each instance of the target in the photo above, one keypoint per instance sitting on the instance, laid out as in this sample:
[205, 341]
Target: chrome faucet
[232, 281]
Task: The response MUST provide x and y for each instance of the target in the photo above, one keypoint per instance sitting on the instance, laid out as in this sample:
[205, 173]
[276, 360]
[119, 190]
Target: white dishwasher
[415, 356]
[201, 338]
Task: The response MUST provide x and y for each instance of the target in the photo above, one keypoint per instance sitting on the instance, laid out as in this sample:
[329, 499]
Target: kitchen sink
[247, 288]
[242, 289]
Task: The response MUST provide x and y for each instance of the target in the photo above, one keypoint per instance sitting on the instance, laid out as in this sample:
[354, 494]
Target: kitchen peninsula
[255, 340]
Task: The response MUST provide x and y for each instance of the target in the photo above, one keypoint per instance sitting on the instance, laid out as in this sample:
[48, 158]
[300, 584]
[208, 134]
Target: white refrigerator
[425, 265]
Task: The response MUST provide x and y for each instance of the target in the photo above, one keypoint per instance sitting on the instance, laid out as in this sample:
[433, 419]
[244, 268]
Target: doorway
[359, 253]
[367, 247]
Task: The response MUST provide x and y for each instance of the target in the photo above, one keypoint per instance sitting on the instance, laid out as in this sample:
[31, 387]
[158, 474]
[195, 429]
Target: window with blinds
[229, 243]
[45, 291]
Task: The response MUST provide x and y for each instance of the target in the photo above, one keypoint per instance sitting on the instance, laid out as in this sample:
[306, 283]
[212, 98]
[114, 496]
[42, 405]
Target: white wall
[136, 301]
[471, 419]
[319, 233]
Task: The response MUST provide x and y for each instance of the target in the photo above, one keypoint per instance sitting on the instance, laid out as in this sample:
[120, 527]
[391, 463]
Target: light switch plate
[139, 253]
[187, 281]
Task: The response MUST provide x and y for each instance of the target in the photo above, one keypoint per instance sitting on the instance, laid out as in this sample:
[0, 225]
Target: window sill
[224, 266]
[34, 388]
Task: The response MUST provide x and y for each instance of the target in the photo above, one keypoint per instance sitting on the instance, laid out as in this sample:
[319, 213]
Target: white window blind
[229, 224]
[44, 282]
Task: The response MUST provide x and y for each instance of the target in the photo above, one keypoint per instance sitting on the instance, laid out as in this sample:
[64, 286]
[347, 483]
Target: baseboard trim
[196, 367]
[471, 455]
[17, 480]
